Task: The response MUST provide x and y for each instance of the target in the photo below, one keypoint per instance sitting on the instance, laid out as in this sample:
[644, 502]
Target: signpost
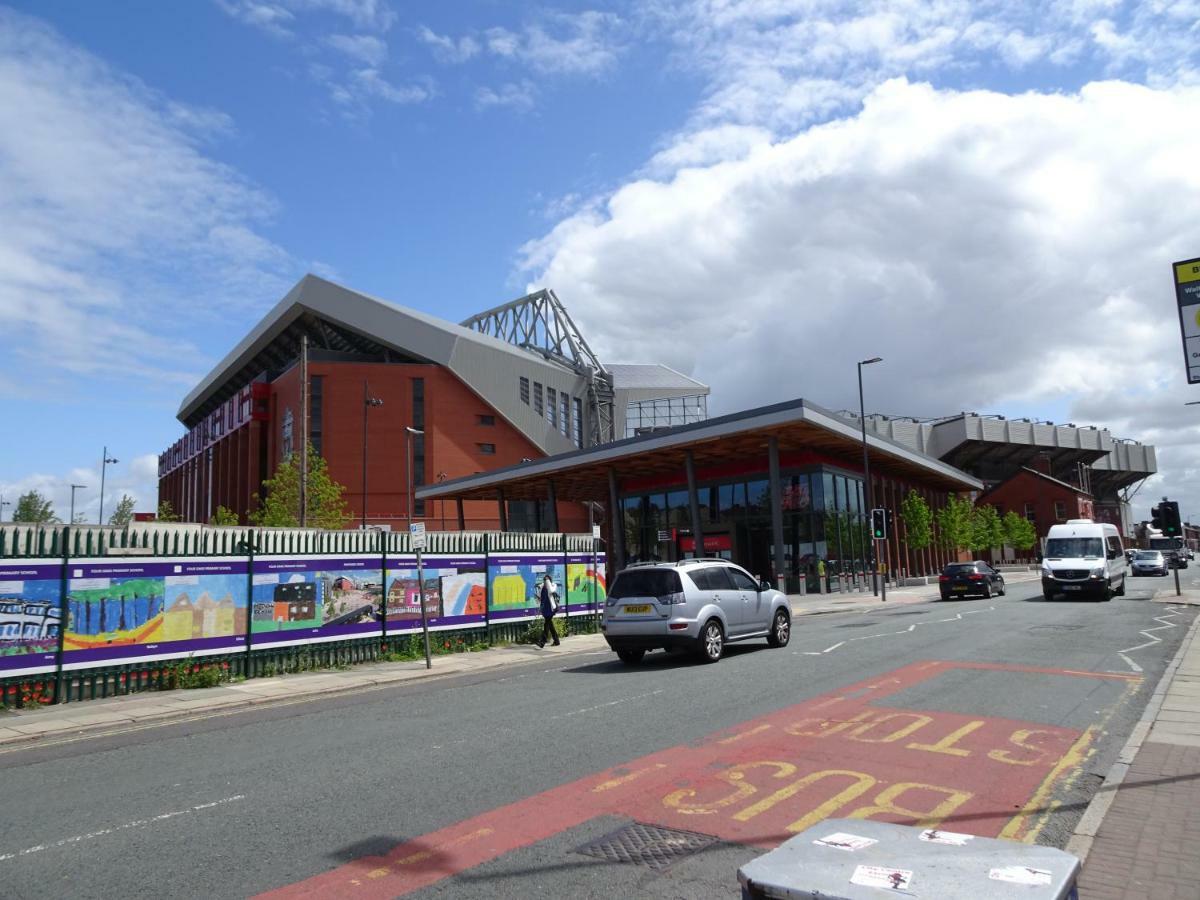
[416, 534]
[1187, 293]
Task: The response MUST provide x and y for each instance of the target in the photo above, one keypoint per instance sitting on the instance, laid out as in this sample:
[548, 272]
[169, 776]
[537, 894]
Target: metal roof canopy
[799, 425]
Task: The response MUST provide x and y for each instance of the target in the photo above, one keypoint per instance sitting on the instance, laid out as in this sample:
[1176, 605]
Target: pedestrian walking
[549, 603]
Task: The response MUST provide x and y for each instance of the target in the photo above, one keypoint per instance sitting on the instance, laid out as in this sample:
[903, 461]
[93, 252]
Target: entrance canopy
[798, 426]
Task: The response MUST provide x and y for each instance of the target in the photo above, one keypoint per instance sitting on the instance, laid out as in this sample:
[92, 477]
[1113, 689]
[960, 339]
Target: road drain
[646, 845]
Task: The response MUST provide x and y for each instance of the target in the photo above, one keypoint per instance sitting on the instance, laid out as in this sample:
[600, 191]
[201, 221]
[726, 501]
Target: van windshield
[1075, 548]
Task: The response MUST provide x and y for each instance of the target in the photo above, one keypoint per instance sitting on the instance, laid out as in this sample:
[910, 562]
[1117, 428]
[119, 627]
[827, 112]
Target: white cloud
[272, 18]
[998, 251]
[118, 230]
[374, 84]
[278, 18]
[583, 43]
[365, 48]
[518, 95]
[446, 49]
[138, 478]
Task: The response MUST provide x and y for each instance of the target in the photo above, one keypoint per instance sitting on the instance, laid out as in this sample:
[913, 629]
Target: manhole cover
[646, 845]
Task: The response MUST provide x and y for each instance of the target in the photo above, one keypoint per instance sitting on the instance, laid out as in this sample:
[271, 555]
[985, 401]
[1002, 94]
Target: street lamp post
[862, 420]
[74, 488]
[368, 402]
[103, 465]
[409, 432]
[3, 503]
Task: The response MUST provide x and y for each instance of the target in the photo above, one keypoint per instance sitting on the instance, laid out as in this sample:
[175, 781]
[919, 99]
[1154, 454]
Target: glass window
[486, 449]
[645, 583]
[418, 441]
[564, 414]
[1030, 512]
[485, 420]
[828, 496]
[1060, 510]
[680, 515]
[654, 511]
[712, 578]
[552, 407]
[316, 415]
[759, 496]
[1075, 548]
[741, 581]
[796, 493]
[524, 390]
[577, 422]
[537, 398]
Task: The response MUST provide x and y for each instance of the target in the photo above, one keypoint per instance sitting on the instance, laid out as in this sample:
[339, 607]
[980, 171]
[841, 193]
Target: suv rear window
[645, 583]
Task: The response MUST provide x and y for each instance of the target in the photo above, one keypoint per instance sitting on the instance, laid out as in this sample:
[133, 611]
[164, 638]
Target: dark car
[1176, 559]
[965, 579]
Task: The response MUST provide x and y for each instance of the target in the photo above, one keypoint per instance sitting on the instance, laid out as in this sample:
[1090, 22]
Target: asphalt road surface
[995, 717]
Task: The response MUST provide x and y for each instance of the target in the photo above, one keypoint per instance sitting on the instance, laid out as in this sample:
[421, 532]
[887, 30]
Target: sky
[760, 193]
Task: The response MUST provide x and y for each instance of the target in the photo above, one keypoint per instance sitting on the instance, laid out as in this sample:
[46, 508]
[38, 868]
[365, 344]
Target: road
[995, 717]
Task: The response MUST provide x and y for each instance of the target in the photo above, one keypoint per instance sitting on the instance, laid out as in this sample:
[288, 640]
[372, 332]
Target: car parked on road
[963, 579]
[694, 604]
[1149, 562]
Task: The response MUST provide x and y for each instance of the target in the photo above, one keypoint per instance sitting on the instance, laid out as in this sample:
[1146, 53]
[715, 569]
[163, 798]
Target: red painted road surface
[763, 781]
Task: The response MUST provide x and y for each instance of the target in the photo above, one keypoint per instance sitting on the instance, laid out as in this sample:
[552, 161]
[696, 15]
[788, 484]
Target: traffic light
[1156, 518]
[1169, 511]
[879, 524]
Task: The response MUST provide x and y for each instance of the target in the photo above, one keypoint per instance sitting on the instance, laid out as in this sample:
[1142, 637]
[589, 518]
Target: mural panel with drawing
[586, 585]
[454, 590]
[30, 616]
[515, 580]
[298, 599]
[133, 610]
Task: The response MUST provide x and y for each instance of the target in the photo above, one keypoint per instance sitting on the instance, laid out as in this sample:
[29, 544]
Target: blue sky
[754, 193]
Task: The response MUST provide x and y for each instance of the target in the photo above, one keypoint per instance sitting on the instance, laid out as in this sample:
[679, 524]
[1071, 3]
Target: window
[485, 420]
[711, 578]
[1030, 512]
[537, 398]
[316, 394]
[487, 449]
[1075, 548]
[742, 581]
[418, 442]
[564, 415]
[525, 390]
[645, 583]
[1060, 510]
[577, 422]
[552, 407]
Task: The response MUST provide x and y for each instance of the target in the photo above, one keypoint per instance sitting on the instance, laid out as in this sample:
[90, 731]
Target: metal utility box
[857, 859]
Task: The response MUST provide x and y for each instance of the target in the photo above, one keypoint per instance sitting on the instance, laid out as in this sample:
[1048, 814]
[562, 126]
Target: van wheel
[712, 641]
[781, 630]
[1049, 595]
[1121, 592]
[631, 656]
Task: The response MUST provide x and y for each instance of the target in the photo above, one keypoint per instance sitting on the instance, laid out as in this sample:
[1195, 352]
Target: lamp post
[74, 488]
[368, 402]
[862, 420]
[409, 432]
[103, 465]
[3, 503]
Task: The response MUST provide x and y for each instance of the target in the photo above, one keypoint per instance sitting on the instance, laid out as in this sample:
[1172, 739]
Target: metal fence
[92, 611]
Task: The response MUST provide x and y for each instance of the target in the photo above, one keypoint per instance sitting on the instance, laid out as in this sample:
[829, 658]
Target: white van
[1084, 557]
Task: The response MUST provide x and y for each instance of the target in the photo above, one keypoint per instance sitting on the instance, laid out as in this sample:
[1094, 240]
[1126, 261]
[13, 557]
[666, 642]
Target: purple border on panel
[99, 655]
[525, 559]
[266, 565]
[462, 563]
[353, 630]
[126, 569]
[31, 663]
[39, 572]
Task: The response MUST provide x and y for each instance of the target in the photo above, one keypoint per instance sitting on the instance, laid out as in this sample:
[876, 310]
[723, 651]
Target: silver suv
[695, 604]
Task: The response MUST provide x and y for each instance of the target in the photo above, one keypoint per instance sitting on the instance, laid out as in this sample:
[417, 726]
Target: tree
[1018, 531]
[166, 512]
[954, 523]
[281, 506]
[918, 521]
[33, 508]
[223, 516]
[987, 530]
[123, 514]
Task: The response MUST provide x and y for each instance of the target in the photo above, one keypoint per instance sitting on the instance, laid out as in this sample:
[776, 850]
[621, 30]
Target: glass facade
[823, 522]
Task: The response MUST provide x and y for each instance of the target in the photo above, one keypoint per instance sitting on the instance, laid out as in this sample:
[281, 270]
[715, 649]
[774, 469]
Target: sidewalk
[24, 726]
[1140, 837]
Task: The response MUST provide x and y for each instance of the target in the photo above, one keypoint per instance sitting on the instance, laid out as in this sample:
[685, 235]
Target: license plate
[1072, 587]
[960, 587]
[637, 610]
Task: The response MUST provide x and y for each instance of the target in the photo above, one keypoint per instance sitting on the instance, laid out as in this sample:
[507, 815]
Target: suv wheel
[712, 641]
[781, 630]
[631, 656]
